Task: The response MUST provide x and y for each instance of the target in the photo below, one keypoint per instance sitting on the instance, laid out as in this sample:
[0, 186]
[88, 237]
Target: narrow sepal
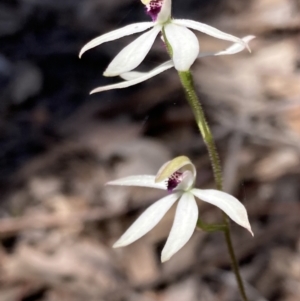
[116, 34]
[141, 181]
[232, 49]
[133, 54]
[147, 220]
[227, 203]
[212, 31]
[183, 227]
[134, 77]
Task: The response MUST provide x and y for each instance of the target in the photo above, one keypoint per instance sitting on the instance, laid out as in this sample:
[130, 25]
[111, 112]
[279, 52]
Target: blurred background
[58, 147]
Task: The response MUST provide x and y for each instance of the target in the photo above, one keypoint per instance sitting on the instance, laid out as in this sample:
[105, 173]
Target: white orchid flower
[184, 43]
[178, 177]
[134, 77]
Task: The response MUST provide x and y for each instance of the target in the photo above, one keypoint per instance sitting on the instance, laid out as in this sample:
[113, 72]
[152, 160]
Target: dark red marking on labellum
[174, 180]
[153, 8]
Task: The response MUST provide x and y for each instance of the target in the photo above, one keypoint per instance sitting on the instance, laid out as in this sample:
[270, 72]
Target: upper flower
[134, 77]
[178, 177]
[184, 43]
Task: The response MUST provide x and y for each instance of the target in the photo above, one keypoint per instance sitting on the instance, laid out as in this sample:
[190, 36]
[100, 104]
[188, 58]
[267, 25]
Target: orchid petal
[183, 227]
[142, 181]
[147, 220]
[232, 49]
[165, 11]
[210, 31]
[133, 54]
[116, 34]
[235, 48]
[135, 77]
[132, 75]
[227, 203]
[185, 46]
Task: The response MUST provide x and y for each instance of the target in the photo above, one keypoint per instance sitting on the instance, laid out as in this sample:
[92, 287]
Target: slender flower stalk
[187, 83]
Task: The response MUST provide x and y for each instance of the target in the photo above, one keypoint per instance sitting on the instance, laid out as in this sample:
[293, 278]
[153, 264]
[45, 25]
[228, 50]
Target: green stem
[210, 227]
[188, 85]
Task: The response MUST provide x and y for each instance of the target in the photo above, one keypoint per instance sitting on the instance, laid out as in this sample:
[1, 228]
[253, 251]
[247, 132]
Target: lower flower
[178, 177]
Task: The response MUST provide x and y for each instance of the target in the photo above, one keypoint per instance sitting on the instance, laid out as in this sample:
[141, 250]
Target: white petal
[165, 12]
[233, 49]
[148, 220]
[135, 77]
[184, 44]
[210, 31]
[116, 34]
[132, 75]
[226, 202]
[183, 227]
[143, 181]
[136, 74]
[133, 54]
